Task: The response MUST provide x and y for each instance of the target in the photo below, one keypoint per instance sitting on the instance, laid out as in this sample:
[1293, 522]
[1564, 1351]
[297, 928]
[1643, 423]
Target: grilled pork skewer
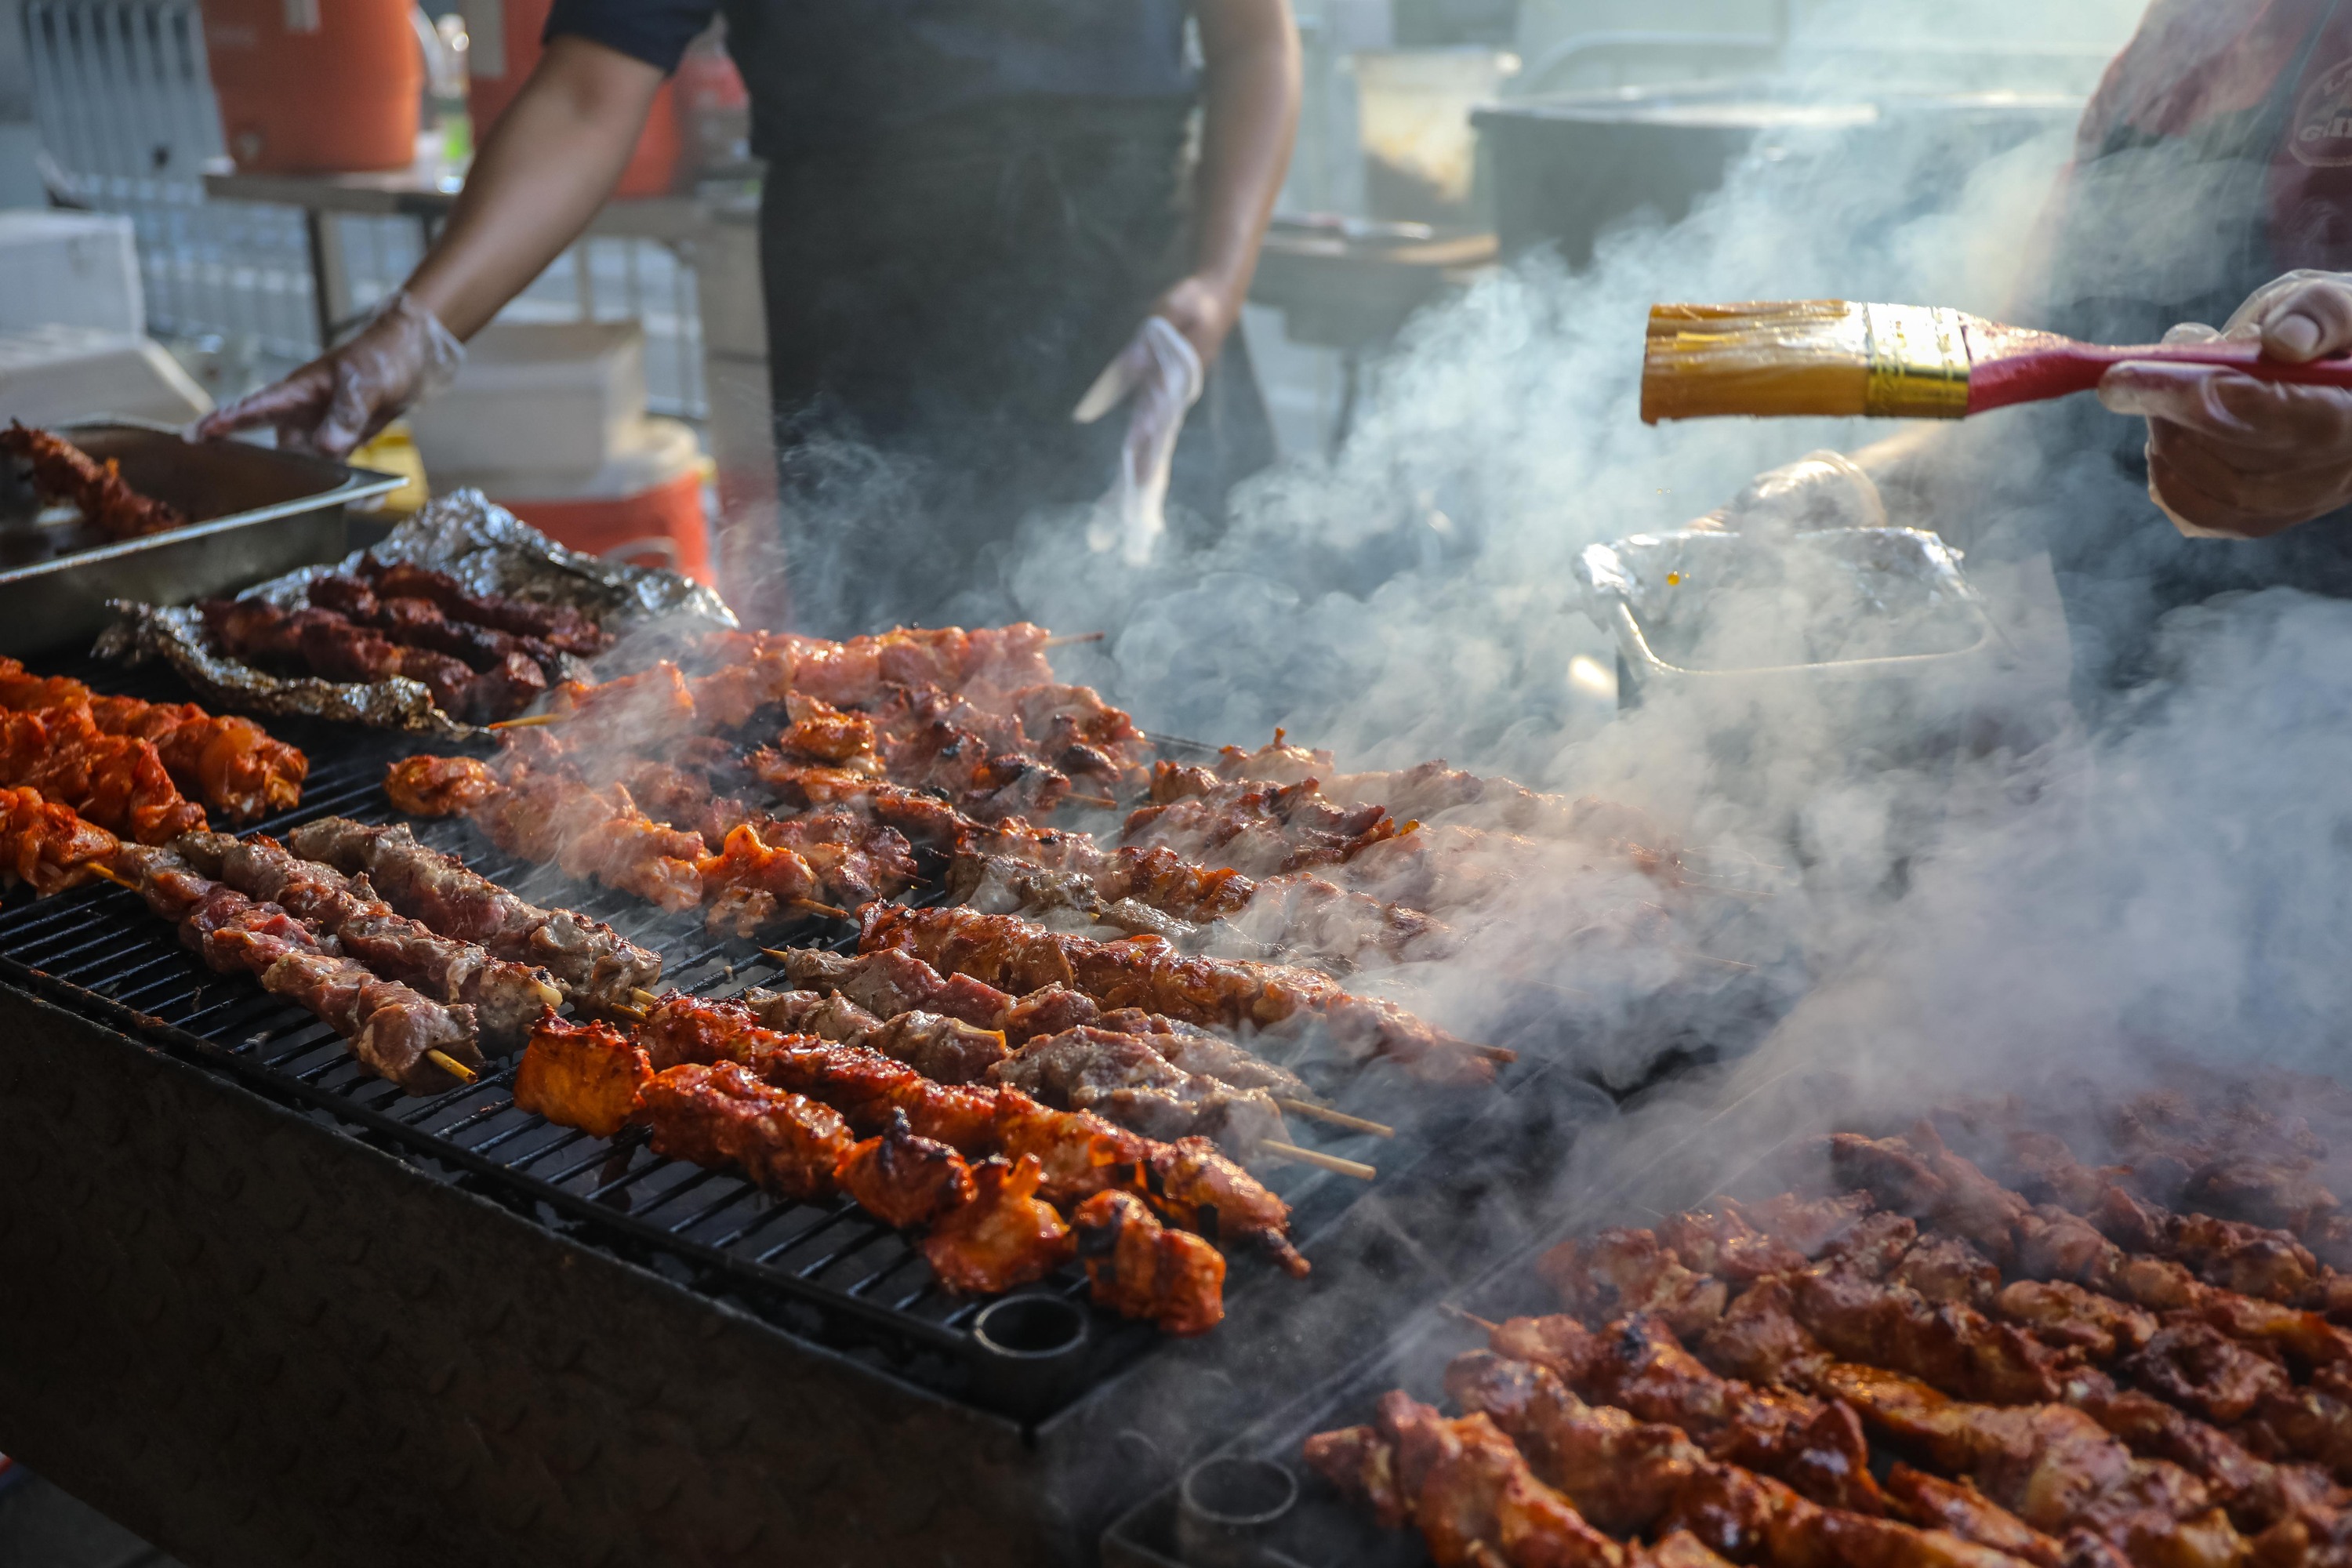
[891, 982]
[45, 845]
[229, 762]
[396, 1034]
[988, 1230]
[1148, 973]
[1260, 830]
[1635, 1478]
[507, 997]
[1187, 1181]
[591, 963]
[333, 646]
[115, 782]
[1879, 1292]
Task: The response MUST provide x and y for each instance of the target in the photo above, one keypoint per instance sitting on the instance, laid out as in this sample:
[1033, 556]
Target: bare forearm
[550, 162]
[1251, 88]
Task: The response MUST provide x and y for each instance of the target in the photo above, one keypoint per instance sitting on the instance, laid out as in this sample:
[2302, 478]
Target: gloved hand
[1820, 491]
[348, 394]
[2230, 456]
[1163, 372]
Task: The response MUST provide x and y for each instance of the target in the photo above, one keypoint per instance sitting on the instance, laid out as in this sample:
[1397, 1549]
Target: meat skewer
[755, 877]
[63, 471]
[1148, 973]
[560, 625]
[591, 963]
[396, 1034]
[1188, 1179]
[507, 997]
[1261, 830]
[900, 988]
[333, 646]
[46, 847]
[989, 1231]
[114, 781]
[230, 763]
[1868, 1295]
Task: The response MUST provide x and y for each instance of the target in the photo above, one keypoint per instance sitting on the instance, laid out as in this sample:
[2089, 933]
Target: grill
[1097, 1422]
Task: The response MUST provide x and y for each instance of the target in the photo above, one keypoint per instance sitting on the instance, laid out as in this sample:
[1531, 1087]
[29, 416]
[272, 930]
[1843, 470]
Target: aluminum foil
[481, 545]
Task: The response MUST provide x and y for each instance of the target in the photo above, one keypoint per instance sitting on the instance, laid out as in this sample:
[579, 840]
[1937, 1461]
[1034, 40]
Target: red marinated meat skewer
[63, 471]
[116, 782]
[230, 763]
[48, 846]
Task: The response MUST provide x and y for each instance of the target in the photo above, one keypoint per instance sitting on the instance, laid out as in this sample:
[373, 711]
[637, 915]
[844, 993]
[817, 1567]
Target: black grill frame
[822, 1272]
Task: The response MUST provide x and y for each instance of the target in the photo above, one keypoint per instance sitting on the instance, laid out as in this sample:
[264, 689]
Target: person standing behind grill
[972, 206]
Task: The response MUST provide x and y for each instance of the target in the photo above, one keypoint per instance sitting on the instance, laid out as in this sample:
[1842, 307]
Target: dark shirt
[831, 73]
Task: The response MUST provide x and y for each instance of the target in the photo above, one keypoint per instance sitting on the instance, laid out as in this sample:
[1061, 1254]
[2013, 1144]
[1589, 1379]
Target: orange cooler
[316, 86]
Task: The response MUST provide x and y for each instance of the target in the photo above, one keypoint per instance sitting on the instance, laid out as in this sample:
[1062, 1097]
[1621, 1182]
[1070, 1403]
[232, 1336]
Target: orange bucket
[315, 86]
[499, 63]
[664, 526]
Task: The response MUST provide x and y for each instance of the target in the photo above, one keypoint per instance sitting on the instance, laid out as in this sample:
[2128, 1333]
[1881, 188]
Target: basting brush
[1832, 359]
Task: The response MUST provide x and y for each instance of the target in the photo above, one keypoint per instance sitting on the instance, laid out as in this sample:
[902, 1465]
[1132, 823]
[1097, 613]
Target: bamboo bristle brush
[1828, 358]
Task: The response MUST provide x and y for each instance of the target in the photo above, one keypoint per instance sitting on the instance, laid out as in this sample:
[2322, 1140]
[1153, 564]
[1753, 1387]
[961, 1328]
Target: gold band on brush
[1918, 363]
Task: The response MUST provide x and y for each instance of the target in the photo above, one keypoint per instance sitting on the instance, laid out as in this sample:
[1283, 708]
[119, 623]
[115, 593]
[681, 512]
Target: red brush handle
[2058, 367]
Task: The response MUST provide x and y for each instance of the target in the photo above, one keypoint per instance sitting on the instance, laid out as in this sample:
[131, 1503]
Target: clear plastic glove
[1820, 491]
[2230, 456]
[1162, 372]
[348, 394]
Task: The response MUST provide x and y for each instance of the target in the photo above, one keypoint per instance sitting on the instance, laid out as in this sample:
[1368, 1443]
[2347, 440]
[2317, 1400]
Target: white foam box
[538, 397]
[53, 375]
[67, 268]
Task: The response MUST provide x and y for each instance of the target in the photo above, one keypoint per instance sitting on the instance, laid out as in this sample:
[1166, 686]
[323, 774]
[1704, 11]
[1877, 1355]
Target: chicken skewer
[115, 782]
[988, 1229]
[507, 997]
[1148, 973]
[230, 763]
[1186, 1180]
[591, 963]
[46, 847]
[396, 1034]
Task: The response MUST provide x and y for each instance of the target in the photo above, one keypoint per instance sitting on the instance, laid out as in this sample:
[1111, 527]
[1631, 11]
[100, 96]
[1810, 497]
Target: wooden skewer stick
[1102, 801]
[1315, 1112]
[1496, 1053]
[1472, 1319]
[1075, 638]
[531, 722]
[642, 997]
[1355, 1168]
[633, 1014]
[834, 910]
[111, 874]
[452, 1066]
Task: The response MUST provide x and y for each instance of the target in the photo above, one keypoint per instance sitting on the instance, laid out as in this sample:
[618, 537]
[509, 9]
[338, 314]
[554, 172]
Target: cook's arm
[1250, 83]
[550, 162]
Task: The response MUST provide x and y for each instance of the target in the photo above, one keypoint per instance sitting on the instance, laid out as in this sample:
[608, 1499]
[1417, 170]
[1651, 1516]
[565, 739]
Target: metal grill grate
[824, 1271]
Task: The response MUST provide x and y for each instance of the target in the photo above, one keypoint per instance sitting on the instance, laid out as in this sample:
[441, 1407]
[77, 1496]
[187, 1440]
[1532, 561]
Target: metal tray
[259, 512]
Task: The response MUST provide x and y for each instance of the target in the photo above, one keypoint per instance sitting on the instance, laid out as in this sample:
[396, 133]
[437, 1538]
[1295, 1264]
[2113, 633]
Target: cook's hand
[347, 395]
[1820, 491]
[2232, 456]
[1162, 371]
[1205, 311]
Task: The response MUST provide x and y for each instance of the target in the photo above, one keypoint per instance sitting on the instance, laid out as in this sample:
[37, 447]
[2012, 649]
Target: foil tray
[1897, 595]
[257, 512]
[478, 542]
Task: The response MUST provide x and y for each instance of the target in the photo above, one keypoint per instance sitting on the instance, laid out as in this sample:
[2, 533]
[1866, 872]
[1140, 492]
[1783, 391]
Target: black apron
[2118, 277]
[938, 301]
